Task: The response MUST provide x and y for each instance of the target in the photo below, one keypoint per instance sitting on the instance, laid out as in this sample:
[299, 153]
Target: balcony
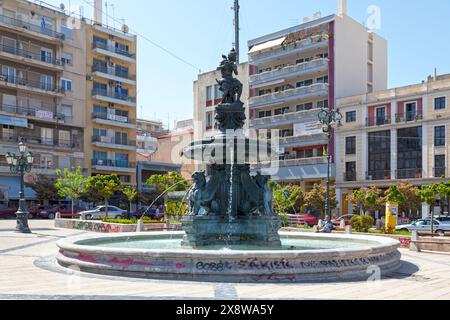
[112, 73]
[378, 175]
[37, 169]
[45, 142]
[113, 97]
[414, 173]
[408, 117]
[293, 162]
[284, 119]
[112, 51]
[114, 165]
[32, 85]
[350, 176]
[113, 143]
[41, 114]
[289, 95]
[32, 58]
[303, 140]
[23, 26]
[310, 44]
[113, 120]
[289, 72]
[375, 122]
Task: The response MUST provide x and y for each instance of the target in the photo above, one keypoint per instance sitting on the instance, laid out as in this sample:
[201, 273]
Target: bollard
[342, 224]
[348, 230]
[414, 246]
[58, 215]
[140, 226]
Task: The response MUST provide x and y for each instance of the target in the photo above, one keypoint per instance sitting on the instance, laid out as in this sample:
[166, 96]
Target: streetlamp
[329, 119]
[21, 164]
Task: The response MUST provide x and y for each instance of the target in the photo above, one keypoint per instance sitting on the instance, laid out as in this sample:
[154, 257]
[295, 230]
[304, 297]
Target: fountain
[232, 233]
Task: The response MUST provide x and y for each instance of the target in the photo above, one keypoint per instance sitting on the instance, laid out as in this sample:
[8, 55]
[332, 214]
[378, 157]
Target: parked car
[309, 219]
[67, 209]
[424, 225]
[346, 218]
[151, 213]
[43, 212]
[7, 213]
[443, 219]
[100, 213]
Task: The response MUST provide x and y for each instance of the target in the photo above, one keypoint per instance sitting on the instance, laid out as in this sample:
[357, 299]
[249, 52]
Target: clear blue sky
[199, 31]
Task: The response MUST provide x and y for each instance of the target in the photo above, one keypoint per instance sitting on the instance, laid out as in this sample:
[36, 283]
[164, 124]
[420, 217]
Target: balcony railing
[29, 55]
[295, 162]
[113, 72]
[34, 112]
[373, 122]
[104, 46]
[113, 95]
[31, 27]
[113, 163]
[31, 83]
[68, 144]
[111, 117]
[414, 173]
[408, 117]
[440, 172]
[378, 175]
[113, 140]
[350, 176]
[288, 116]
[287, 94]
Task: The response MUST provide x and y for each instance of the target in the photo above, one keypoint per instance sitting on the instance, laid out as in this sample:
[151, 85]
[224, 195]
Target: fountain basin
[303, 257]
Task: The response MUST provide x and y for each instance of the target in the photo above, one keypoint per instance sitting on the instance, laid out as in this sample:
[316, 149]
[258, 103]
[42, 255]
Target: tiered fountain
[231, 232]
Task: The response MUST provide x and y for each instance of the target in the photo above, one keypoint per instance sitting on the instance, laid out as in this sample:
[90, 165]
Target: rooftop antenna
[236, 8]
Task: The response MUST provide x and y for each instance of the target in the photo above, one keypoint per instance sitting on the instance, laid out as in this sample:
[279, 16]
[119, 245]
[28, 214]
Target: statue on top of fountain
[231, 87]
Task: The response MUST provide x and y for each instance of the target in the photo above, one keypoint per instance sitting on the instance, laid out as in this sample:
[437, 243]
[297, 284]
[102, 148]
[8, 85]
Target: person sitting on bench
[328, 226]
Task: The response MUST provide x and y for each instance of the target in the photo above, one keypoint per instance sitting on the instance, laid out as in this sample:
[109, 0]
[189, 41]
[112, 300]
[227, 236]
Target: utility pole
[236, 28]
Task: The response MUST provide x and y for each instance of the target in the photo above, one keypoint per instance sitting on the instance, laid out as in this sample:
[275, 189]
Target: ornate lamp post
[329, 119]
[21, 164]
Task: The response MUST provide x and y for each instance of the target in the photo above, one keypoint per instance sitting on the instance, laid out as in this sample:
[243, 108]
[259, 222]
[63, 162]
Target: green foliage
[412, 201]
[316, 198]
[176, 208]
[394, 196]
[367, 199]
[130, 192]
[105, 186]
[290, 204]
[163, 182]
[71, 183]
[362, 223]
[129, 221]
[427, 194]
[45, 188]
[284, 219]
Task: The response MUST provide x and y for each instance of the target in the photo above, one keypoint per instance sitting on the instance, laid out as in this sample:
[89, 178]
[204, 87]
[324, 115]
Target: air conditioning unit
[89, 78]
[31, 126]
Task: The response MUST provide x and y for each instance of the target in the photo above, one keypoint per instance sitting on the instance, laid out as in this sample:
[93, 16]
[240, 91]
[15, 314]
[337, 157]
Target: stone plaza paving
[28, 270]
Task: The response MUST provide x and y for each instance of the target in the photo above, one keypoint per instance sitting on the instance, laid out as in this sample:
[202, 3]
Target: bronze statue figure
[231, 87]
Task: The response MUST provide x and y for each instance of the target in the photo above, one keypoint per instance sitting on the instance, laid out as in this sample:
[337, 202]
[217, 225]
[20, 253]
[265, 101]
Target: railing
[408, 117]
[114, 95]
[316, 138]
[378, 175]
[31, 83]
[282, 117]
[350, 176]
[440, 172]
[294, 162]
[31, 27]
[299, 45]
[113, 163]
[414, 173]
[289, 69]
[104, 46]
[32, 112]
[69, 144]
[29, 55]
[113, 140]
[111, 117]
[288, 93]
[372, 122]
[113, 71]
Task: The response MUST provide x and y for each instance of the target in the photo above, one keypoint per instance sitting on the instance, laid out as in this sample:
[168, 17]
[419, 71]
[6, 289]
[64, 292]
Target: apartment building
[148, 132]
[293, 73]
[110, 132]
[392, 136]
[42, 89]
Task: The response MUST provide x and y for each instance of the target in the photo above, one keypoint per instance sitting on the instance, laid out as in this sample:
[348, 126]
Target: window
[100, 132]
[350, 116]
[304, 107]
[208, 120]
[409, 153]
[46, 162]
[121, 138]
[439, 136]
[350, 145]
[379, 155]
[47, 136]
[46, 82]
[122, 48]
[100, 157]
[411, 111]
[350, 171]
[305, 83]
[46, 55]
[440, 103]
[121, 160]
[322, 79]
[122, 71]
[381, 116]
[217, 93]
[66, 85]
[439, 166]
[64, 138]
[67, 58]
[322, 104]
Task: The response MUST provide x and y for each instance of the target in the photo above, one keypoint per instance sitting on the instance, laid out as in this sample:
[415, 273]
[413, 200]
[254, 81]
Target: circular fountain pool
[303, 257]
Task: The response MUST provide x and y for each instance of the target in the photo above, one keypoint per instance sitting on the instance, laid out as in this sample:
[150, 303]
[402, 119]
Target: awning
[10, 186]
[267, 45]
[11, 121]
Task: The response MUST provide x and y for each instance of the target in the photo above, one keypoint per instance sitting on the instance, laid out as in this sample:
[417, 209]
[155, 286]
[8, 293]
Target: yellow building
[110, 133]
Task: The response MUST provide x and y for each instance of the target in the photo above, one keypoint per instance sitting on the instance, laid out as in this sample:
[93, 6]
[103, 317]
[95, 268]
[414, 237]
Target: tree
[373, 200]
[412, 200]
[289, 204]
[131, 194]
[176, 208]
[173, 181]
[442, 190]
[428, 195]
[357, 199]
[316, 198]
[106, 186]
[45, 189]
[71, 184]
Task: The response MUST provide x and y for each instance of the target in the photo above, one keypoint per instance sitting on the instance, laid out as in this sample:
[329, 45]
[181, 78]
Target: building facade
[296, 72]
[42, 90]
[110, 132]
[148, 132]
[392, 136]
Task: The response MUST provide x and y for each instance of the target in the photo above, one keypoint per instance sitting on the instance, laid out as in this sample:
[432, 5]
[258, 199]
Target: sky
[200, 31]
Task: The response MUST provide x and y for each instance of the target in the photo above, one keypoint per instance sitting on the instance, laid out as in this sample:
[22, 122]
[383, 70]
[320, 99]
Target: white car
[100, 213]
[425, 225]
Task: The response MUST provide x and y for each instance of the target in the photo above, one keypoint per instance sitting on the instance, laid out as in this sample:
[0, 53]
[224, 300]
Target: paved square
[28, 270]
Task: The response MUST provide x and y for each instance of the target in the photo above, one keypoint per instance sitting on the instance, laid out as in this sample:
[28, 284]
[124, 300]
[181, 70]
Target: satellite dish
[62, 6]
[125, 28]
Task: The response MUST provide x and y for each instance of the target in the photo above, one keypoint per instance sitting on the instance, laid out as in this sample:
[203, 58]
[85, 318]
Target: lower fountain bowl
[303, 257]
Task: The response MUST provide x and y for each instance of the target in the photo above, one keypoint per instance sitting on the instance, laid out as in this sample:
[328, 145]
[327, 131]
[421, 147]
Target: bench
[419, 243]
